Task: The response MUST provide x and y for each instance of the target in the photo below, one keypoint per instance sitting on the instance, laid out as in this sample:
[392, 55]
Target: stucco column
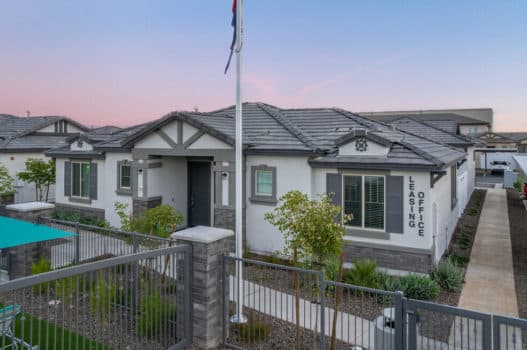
[208, 245]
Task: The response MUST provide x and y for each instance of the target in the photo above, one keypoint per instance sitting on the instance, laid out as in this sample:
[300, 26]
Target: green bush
[389, 283]
[448, 276]
[85, 220]
[105, 294]
[41, 266]
[461, 261]
[419, 287]
[154, 313]
[472, 212]
[252, 331]
[518, 184]
[364, 273]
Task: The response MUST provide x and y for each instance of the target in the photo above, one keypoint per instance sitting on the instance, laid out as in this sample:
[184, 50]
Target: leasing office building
[402, 189]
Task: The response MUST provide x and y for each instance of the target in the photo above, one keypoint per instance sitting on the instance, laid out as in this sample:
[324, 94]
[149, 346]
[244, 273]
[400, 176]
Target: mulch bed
[518, 231]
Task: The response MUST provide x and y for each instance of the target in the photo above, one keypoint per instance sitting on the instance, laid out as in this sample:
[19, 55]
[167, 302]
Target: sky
[123, 62]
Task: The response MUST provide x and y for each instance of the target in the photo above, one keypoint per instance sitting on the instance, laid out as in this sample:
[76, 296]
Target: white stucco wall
[292, 173]
[411, 237]
[471, 171]
[106, 186]
[170, 181]
[446, 216]
[15, 163]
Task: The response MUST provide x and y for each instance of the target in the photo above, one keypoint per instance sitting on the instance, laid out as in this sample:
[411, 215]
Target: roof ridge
[357, 118]
[289, 125]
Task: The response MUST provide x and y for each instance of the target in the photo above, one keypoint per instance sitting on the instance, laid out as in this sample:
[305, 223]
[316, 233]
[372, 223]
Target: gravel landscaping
[518, 230]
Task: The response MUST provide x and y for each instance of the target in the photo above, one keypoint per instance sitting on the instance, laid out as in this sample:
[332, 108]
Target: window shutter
[334, 188]
[93, 181]
[395, 204]
[67, 179]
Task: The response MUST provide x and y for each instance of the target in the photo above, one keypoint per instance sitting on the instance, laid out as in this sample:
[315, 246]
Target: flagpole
[239, 317]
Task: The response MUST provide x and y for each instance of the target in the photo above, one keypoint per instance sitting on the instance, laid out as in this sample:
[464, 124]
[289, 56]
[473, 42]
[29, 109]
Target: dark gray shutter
[395, 204]
[67, 179]
[93, 181]
[334, 188]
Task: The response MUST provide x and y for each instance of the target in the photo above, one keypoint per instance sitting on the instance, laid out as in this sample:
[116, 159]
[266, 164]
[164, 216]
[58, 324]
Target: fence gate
[509, 333]
[434, 326]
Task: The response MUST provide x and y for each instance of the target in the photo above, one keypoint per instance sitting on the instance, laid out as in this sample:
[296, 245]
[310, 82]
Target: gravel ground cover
[62, 315]
[518, 230]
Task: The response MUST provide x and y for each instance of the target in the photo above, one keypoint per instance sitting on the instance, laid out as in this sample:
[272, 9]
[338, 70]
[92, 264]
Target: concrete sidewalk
[489, 282]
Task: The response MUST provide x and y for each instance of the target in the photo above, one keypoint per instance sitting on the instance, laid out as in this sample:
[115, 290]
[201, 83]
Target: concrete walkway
[489, 282]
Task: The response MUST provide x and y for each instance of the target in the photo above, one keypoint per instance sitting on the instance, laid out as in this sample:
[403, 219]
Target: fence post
[208, 246]
[411, 341]
[77, 244]
[322, 279]
[400, 325]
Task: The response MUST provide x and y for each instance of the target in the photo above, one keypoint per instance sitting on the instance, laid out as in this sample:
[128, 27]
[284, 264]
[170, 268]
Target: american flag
[233, 43]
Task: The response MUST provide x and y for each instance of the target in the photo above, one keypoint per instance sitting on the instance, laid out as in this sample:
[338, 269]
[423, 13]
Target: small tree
[313, 230]
[7, 187]
[41, 173]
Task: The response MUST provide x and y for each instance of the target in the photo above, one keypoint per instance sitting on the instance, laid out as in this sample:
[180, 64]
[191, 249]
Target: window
[264, 183]
[263, 187]
[80, 179]
[125, 178]
[364, 199]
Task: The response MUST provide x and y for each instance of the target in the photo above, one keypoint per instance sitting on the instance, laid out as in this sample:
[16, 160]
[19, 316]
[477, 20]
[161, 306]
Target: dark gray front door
[199, 193]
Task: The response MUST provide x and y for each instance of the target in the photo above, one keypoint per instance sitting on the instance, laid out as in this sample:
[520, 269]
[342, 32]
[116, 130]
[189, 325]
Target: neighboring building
[467, 122]
[22, 138]
[500, 146]
[403, 189]
[510, 140]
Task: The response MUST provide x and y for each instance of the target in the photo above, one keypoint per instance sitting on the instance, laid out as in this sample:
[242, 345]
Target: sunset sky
[125, 62]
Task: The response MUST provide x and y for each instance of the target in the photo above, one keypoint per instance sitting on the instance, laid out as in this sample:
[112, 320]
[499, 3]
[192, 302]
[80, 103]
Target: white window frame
[363, 202]
[80, 179]
[256, 183]
[121, 176]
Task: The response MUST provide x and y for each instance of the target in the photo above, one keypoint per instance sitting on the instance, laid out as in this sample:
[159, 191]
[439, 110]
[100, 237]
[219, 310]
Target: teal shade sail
[17, 232]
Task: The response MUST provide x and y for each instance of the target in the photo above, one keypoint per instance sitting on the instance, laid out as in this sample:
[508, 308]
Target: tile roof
[18, 133]
[430, 132]
[459, 119]
[313, 131]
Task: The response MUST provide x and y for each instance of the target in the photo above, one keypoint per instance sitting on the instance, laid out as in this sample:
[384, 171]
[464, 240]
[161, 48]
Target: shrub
[389, 283]
[461, 261]
[154, 313]
[448, 276]
[364, 273]
[105, 294]
[85, 220]
[518, 184]
[252, 331]
[419, 287]
[41, 266]
[472, 212]
[160, 221]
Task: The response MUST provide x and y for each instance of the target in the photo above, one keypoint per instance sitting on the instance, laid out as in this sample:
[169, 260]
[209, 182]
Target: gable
[80, 145]
[180, 135]
[361, 146]
[208, 142]
[153, 140]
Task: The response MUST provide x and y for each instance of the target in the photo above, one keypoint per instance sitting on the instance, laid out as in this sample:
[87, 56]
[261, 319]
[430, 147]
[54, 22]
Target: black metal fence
[293, 308]
[136, 301]
[90, 243]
